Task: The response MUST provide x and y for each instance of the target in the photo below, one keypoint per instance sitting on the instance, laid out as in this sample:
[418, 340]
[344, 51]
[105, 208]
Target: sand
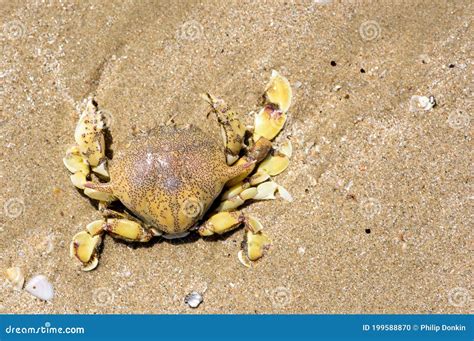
[382, 215]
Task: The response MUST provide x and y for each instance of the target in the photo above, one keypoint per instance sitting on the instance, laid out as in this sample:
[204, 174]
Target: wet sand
[381, 220]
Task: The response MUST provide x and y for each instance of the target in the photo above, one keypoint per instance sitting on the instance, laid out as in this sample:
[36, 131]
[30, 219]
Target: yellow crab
[169, 180]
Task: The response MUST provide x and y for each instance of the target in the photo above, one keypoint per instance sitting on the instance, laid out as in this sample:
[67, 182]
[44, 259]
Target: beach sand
[381, 220]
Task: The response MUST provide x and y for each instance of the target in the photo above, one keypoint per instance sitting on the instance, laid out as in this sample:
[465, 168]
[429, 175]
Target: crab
[178, 180]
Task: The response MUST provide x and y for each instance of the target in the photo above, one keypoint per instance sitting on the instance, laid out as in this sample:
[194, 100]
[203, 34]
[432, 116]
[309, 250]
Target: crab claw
[279, 92]
[256, 154]
[271, 119]
[84, 247]
[74, 162]
[268, 123]
[256, 244]
[276, 162]
[89, 136]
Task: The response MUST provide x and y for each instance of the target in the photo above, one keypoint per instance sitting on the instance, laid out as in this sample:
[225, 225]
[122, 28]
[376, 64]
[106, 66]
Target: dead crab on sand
[169, 180]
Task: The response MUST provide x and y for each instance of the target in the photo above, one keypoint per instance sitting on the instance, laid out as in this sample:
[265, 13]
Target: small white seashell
[40, 287]
[422, 103]
[193, 299]
[16, 277]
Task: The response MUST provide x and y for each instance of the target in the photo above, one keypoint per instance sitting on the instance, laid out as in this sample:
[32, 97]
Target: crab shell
[170, 178]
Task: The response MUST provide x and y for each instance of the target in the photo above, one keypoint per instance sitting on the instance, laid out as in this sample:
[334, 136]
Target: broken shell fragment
[193, 299]
[40, 287]
[418, 103]
[16, 277]
[279, 91]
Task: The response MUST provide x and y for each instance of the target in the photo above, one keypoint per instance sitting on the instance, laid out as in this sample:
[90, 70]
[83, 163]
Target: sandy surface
[382, 217]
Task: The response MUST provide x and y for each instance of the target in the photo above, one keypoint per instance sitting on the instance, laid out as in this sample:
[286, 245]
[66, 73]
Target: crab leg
[85, 244]
[256, 186]
[268, 123]
[272, 117]
[255, 241]
[232, 129]
[89, 152]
